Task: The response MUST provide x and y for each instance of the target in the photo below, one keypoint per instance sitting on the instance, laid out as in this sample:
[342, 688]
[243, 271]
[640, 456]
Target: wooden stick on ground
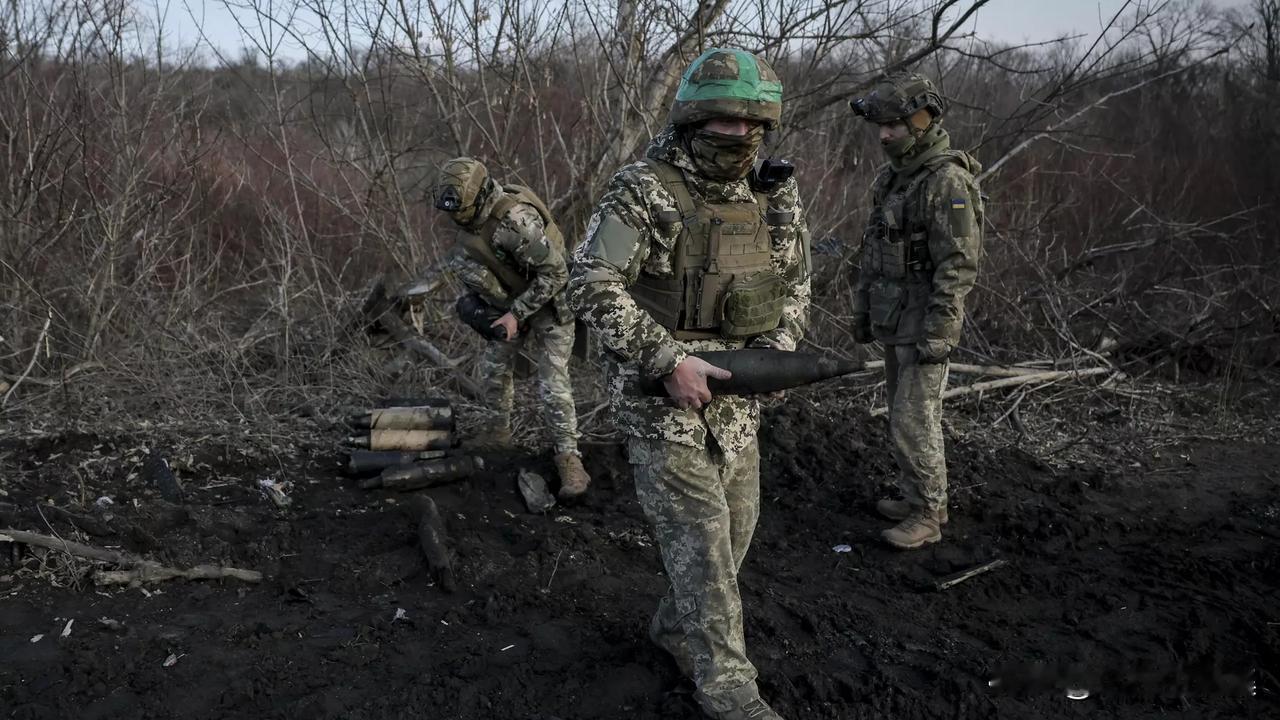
[957, 578]
[135, 568]
[149, 572]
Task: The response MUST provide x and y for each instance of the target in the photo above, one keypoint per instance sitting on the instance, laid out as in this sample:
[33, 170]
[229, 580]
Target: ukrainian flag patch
[959, 203]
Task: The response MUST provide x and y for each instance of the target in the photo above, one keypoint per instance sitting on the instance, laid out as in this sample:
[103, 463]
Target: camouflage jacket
[635, 343]
[520, 242]
[920, 249]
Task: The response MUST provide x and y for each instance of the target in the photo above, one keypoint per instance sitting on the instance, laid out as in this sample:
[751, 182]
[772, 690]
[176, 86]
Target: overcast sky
[1003, 20]
[1019, 20]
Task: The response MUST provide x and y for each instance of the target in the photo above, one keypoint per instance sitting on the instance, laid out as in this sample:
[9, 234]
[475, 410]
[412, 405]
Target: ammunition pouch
[885, 302]
[752, 305]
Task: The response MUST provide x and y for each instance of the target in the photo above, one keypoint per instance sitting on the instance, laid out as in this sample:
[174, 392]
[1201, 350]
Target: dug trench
[1149, 582]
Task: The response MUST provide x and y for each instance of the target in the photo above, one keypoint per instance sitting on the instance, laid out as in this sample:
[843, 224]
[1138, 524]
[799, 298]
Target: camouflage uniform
[919, 262]
[541, 309]
[696, 471]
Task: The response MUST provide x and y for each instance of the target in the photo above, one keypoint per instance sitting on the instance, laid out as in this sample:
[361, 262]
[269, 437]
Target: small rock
[536, 495]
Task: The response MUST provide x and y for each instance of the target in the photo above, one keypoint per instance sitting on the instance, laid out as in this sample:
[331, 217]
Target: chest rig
[722, 283]
[479, 246]
[897, 237]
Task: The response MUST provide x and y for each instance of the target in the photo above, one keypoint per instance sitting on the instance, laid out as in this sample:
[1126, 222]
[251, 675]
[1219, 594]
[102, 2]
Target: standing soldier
[512, 257]
[919, 261]
[689, 250]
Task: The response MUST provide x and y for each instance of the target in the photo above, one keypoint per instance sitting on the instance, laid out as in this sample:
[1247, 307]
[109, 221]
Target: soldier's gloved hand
[862, 330]
[933, 351]
[687, 384]
[509, 323]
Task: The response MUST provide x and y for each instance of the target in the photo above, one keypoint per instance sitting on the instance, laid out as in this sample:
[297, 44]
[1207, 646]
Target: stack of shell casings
[406, 444]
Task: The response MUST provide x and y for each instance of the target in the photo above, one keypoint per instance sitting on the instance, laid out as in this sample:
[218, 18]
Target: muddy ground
[1147, 575]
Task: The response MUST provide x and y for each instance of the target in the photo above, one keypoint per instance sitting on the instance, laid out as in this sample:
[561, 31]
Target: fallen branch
[1004, 371]
[1016, 381]
[135, 569]
[384, 312]
[71, 372]
[957, 578]
[150, 572]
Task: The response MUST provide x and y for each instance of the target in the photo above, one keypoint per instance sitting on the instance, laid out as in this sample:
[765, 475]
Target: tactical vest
[479, 246]
[722, 282]
[897, 238]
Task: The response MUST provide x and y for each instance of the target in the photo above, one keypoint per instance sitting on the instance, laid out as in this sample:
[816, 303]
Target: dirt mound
[1152, 586]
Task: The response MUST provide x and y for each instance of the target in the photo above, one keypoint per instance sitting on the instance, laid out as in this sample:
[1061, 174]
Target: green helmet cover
[897, 96]
[727, 82]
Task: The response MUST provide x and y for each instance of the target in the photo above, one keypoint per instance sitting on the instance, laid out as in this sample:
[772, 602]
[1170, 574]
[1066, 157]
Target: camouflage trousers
[550, 345]
[703, 510]
[914, 393]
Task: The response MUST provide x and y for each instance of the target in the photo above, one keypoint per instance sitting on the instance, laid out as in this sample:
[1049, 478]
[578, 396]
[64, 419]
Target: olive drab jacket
[920, 250]
[648, 298]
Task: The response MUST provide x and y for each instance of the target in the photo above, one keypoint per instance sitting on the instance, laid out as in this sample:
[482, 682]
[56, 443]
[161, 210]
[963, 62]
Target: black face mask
[724, 157]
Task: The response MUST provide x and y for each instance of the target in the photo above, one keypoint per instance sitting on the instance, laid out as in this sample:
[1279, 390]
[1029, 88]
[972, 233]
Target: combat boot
[573, 477]
[921, 527]
[742, 703]
[899, 510]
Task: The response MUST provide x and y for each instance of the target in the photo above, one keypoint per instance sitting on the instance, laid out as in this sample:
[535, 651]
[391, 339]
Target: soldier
[512, 256]
[688, 251]
[919, 261]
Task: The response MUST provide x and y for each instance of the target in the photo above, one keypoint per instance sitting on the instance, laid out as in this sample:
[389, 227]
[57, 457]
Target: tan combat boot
[573, 477]
[742, 703]
[919, 528]
[900, 509]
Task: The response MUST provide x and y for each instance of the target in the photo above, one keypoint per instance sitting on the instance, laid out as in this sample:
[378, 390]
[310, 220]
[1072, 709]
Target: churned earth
[1147, 577]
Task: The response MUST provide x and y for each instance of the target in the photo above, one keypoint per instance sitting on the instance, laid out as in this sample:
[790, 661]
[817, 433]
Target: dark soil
[1149, 579]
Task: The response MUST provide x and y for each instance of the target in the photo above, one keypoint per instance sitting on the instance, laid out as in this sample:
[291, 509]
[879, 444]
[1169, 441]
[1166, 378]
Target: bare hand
[687, 384]
[509, 323]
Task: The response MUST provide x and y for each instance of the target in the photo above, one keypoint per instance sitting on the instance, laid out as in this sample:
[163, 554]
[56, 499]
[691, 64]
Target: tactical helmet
[727, 82]
[898, 96]
[459, 185]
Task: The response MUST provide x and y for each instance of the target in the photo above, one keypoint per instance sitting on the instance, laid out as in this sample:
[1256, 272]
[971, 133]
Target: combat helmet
[897, 96]
[727, 82]
[460, 185]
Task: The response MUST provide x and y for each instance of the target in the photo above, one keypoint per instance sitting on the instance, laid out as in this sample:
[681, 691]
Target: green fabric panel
[615, 242]
[748, 86]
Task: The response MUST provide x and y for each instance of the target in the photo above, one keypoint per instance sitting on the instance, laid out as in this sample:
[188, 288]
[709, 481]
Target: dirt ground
[1147, 575]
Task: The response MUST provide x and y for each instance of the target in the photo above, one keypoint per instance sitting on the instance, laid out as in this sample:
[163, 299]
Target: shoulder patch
[961, 217]
[613, 241]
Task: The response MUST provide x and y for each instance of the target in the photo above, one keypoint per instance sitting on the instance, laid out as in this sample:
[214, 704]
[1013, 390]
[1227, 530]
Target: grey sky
[1001, 20]
[1032, 20]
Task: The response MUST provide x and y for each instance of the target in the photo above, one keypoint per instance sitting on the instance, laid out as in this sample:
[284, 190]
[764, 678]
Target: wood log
[149, 572]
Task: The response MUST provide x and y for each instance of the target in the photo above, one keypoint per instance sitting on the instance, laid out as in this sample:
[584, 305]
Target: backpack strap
[479, 247]
[524, 194]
